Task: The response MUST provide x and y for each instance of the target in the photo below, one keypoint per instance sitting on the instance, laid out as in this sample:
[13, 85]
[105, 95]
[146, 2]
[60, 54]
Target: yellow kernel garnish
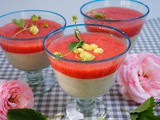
[58, 54]
[93, 46]
[75, 51]
[98, 50]
[33, 30]
[45, 25]
[34, 18]
[86, 56]
[91, 11]
[86, 47]
[78, 50]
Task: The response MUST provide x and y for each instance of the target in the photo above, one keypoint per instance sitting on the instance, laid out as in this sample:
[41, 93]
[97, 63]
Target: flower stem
[24, 28]
[73, 48]
[79, 31]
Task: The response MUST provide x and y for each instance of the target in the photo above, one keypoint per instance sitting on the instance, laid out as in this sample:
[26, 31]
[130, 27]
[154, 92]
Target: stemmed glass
[86, 79]
[126, 15]
[25, 51]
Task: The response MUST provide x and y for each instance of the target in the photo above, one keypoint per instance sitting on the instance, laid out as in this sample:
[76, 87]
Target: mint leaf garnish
[19, 22]
[78, 35]
[74, 45]
[99, 15]
[144, 112]
[25, 114]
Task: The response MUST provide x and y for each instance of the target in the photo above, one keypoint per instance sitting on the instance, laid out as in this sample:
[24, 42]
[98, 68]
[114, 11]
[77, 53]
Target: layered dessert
[125, 19]
[84, 71]
[22, 42]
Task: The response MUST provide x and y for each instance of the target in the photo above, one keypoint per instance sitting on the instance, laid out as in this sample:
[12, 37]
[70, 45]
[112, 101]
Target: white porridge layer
[32, 61]
[89, 88]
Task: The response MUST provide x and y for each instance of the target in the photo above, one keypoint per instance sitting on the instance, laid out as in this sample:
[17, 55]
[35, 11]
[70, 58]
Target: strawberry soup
[128, 16]
[25, 51]
[87, 79]
[85, 64]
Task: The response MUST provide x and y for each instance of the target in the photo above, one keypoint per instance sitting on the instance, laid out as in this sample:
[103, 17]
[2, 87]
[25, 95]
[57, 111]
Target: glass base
[74, 113]
[42, 83]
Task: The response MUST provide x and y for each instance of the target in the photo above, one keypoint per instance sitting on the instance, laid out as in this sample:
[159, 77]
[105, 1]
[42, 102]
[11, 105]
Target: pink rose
[14, 94]
[139, 77]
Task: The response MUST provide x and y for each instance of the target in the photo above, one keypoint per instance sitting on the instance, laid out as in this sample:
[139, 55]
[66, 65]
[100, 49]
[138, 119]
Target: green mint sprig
[20, 23]
[78, 35]
[144, 112]
[73, 45]
[99, 15]
[28, 114]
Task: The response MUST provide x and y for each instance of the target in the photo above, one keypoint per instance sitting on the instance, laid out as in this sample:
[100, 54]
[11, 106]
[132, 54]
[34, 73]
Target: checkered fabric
[54, 102]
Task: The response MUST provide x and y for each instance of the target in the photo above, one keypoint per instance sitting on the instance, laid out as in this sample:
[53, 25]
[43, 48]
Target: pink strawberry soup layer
[111, 45]
[25, 46]
[131, 28]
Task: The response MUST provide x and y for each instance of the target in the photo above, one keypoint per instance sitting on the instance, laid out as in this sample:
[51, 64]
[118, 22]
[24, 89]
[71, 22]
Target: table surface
[54, 102]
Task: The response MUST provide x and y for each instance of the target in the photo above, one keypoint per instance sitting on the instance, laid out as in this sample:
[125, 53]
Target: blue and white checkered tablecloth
[54, 102]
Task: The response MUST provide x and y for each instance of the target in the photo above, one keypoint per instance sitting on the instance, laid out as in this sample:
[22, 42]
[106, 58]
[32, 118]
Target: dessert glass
[129, 16]
[27, 53]
[85, 80]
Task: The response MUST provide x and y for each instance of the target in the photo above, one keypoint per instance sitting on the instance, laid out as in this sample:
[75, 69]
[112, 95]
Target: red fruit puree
[111, 45]
[25, 46]
[131, 28]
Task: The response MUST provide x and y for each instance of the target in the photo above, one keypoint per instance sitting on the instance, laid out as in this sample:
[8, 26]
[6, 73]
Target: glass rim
[54, 32]
[30, 10]
[131, 19]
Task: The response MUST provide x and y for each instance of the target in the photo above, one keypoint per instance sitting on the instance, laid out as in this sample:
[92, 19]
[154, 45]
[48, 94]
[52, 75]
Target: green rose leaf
[25, 114]
[144, 112]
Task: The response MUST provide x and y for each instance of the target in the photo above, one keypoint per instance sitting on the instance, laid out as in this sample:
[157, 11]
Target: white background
[67, 8]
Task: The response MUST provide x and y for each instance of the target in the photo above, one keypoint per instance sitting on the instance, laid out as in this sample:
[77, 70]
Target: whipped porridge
[32, 61]
[80, 88]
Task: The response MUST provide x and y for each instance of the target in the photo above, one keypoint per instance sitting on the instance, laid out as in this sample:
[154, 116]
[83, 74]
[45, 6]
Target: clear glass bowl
[25, 52]
[126, 15]
[85, 80]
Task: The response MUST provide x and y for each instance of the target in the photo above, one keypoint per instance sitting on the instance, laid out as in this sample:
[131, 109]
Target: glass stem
[86, 105]
[34, 77]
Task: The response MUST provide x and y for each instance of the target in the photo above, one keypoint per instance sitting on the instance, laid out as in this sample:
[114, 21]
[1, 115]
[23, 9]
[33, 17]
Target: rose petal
[138, 77]
[14, 94]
